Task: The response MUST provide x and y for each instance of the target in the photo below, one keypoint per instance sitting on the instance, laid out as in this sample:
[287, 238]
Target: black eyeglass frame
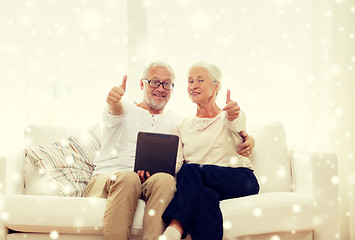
[159, 83]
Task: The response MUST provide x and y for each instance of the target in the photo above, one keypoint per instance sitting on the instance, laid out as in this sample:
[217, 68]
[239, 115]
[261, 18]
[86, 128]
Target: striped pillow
[66, 166]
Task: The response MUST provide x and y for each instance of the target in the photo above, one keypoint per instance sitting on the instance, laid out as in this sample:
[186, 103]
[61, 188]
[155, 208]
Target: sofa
[43, 199]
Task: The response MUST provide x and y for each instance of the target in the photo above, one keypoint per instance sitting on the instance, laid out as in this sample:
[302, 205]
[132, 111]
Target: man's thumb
[124, 82]
[228, 96]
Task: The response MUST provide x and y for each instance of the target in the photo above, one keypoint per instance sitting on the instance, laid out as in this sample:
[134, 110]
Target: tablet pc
[156, 152]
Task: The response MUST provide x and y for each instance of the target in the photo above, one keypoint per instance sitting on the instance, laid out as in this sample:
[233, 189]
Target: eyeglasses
[156, 84]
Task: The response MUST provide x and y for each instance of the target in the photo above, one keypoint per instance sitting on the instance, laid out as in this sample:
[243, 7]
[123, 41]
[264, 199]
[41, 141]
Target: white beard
[157, 106]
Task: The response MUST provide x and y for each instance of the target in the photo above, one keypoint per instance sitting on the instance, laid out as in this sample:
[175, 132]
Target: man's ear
[141, 84]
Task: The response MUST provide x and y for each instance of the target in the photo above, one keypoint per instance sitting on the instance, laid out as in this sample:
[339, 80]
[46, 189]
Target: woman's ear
[217, 87]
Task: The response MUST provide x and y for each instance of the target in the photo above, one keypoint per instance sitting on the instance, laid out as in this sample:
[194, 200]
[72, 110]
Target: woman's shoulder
[185, 121]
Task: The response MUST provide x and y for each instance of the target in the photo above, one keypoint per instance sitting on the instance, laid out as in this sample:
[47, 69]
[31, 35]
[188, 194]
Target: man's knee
[163, 181]
[128, 179]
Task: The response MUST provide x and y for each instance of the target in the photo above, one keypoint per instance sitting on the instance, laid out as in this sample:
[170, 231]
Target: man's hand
[114, 97]
[247, 146]
[143, 175]
[232, 108]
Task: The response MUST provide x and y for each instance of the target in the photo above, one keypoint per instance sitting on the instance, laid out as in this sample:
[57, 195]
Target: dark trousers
[200, 188]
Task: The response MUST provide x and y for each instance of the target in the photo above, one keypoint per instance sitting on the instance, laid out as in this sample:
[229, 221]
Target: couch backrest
[271, 158]
[37, 134]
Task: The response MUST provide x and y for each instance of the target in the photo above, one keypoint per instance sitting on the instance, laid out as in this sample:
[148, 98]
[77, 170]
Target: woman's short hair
[158, 64]
[213, 71]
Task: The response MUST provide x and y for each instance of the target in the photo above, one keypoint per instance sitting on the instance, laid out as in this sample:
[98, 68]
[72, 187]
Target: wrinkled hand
[116, 93]
[114, 97]
[232, 108]
[143, 175]
[247, 146]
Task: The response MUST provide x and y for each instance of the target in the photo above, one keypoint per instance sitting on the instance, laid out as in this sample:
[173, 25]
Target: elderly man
[114, 177]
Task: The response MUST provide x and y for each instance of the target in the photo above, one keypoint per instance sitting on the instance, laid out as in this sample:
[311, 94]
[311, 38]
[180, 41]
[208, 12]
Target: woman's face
[201, 88]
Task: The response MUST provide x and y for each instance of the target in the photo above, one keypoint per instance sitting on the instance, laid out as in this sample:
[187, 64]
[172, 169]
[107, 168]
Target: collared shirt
[212, 141]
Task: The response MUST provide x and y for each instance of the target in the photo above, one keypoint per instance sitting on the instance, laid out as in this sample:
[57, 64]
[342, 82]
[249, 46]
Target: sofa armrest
[11, 172]
[2, 176]
[316, 174]
[11, 181]
[3, 229]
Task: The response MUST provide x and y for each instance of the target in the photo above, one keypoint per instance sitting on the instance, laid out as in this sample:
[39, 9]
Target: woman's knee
[190, 168]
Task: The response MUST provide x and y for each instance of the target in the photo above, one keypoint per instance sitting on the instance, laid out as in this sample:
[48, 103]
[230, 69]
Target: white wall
[58, 60]
[270, 54]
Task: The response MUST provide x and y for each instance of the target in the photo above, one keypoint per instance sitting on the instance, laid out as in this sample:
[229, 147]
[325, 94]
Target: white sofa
[298, 197]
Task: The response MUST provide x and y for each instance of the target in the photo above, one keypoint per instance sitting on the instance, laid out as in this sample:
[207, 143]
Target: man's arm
[113, 99]
[247, 146]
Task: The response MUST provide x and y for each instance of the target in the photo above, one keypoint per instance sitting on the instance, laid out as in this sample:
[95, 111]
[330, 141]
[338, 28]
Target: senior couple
[212, 163]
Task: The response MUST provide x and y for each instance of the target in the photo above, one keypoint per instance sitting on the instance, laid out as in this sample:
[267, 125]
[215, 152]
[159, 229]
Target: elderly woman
[214, 171]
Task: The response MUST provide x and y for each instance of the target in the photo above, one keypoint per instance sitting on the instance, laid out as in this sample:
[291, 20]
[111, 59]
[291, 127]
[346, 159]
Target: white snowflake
[69, 160]
[200, 20]
[5, 216]
[67, 189]
[151, 212]
[227, 225]
[54, 235]
[329, 13]
[257, 212]
[275, 237]
[296, 208]
[162, 238]
[335, 180]
[64, 142]
[94, 201]
[234, 161]
[79, 222]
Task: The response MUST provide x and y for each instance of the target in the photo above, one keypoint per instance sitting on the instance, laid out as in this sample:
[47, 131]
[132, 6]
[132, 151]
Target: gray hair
[212, 70]
[158, 64]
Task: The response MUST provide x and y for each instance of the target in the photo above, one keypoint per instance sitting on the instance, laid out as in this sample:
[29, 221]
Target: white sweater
[212, 141]
[119, 138]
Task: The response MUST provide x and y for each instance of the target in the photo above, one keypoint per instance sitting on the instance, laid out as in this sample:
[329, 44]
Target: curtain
[342, 91]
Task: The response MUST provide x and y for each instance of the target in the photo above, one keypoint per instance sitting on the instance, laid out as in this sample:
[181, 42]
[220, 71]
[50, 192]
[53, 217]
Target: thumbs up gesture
[232, 108]
[114, 97]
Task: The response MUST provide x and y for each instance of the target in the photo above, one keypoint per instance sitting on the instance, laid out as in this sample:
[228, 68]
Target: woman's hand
[247, 146]
[232, 108]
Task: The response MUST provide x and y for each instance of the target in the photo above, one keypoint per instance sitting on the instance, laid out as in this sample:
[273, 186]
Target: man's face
[157, 98]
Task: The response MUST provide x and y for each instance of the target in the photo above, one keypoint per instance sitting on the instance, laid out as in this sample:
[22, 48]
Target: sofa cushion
[262, 213]
[62, 168]
[267, 213]
[270, 157]
[29, 213]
